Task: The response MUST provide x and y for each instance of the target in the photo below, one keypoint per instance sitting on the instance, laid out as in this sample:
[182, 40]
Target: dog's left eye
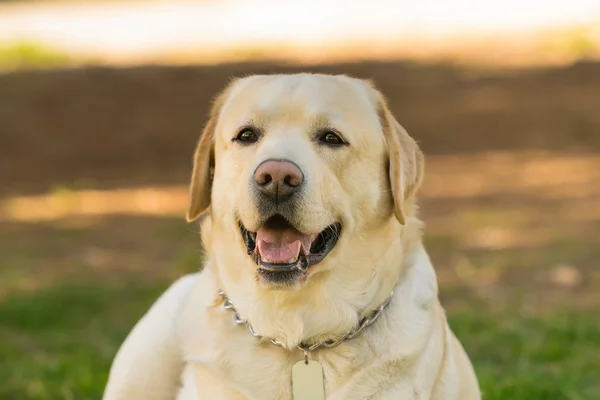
[331, 138]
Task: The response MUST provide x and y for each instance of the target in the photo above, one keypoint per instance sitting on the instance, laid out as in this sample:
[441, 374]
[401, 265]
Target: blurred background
[101, 103]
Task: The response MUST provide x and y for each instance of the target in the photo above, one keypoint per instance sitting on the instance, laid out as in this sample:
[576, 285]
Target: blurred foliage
[30, 55]
[577, 42]
[581, 41]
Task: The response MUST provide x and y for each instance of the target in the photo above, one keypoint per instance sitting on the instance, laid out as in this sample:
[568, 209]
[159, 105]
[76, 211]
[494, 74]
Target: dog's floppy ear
[201, 183]
[406, 160]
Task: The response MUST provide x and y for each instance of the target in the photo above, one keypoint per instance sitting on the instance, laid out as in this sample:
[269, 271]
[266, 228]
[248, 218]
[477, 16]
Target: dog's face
[296, 167]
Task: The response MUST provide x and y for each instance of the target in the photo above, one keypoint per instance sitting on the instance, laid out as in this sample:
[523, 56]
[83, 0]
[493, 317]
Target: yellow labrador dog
[315, 283]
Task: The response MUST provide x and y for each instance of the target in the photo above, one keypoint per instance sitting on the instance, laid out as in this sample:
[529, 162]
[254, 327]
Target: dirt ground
[512, 155]
[521, 145]
[102, 127]
[511, 197]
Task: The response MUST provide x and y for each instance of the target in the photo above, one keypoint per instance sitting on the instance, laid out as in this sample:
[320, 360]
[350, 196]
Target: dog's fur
[188, 347]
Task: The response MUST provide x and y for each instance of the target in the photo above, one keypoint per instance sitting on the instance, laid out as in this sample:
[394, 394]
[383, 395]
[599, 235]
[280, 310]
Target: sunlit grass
[64, 202]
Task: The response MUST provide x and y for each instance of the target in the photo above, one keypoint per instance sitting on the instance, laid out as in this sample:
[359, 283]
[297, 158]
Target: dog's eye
[331, 138]
[246, 135]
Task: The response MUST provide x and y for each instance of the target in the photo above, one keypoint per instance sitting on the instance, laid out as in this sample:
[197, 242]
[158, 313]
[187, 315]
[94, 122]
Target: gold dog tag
[307, 381]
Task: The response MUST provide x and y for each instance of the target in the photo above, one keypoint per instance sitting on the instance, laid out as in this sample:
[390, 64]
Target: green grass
[532, 358]
[63, 314]
[58, 343]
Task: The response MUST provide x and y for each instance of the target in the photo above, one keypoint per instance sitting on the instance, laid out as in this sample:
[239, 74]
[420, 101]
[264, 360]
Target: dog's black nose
[278, 179]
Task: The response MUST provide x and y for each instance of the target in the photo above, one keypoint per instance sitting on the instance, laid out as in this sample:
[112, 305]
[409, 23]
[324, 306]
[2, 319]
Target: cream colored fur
[188, 347]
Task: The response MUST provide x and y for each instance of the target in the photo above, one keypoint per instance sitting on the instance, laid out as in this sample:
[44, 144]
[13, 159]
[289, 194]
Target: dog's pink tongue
[282, 245]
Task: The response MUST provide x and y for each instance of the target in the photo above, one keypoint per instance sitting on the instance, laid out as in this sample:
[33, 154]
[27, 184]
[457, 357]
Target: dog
[315, 278]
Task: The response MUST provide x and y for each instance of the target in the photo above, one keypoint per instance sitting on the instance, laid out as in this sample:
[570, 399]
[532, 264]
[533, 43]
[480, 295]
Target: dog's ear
[406, 160]
[202, 174]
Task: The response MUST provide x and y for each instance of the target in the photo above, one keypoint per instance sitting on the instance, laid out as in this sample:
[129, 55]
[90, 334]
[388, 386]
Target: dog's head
[296, 168]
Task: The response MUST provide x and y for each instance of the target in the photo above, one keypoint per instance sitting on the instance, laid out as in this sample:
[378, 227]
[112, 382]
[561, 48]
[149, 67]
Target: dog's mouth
[279, 248]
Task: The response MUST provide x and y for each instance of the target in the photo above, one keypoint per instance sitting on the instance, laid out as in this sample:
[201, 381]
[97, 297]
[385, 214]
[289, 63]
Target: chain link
[364, 323]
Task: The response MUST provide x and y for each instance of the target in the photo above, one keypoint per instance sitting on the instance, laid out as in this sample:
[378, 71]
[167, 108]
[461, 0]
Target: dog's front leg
[148, 364]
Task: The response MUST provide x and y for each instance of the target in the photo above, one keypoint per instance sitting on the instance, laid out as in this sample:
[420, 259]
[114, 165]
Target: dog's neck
[332, 302]
[306, 347]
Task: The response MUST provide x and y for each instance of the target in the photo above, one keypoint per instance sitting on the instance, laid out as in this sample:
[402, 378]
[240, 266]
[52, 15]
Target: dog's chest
[243, 373]
[224, 361]
[236, 366]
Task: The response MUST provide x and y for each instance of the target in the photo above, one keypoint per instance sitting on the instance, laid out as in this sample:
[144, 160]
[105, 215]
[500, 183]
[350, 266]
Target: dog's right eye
[246, 135]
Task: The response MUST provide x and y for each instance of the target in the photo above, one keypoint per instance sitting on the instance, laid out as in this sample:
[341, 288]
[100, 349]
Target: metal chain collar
[365, 322]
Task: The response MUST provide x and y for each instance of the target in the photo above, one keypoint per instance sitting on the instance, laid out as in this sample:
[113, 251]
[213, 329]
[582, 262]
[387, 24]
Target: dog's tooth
[291, 260]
